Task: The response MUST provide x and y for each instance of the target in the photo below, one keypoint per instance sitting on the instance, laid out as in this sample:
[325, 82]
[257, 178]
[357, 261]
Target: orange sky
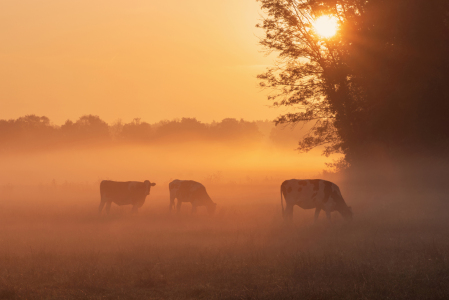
[123, 59]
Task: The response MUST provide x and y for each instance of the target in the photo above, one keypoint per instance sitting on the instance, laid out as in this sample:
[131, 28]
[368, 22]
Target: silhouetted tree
[32, 132]
[27, 132]
[8, 133]
[136, 131]
[88, 128]
[185, 129]
[377, 88]
[232, 129]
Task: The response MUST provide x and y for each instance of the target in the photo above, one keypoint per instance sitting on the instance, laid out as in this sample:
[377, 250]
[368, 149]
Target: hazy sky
[123, 59]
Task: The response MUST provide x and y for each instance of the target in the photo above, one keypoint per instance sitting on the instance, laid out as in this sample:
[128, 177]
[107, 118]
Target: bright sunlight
[326, 26]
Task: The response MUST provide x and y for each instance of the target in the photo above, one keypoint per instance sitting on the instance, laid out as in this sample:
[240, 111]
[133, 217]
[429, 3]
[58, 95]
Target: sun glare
[326, 26]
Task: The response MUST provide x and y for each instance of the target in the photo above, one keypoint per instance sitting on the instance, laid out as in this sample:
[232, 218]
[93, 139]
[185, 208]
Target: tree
[88, 128]
[185, 130]
[27, 133]
[375, 88]
[231, 129]
[136, 131]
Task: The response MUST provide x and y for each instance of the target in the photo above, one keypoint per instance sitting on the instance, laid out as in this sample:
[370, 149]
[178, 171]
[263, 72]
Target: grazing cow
[316, 193]
[190, 191]
[124, 193]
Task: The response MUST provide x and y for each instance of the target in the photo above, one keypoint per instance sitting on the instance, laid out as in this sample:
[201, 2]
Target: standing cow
[124, 193]
[190, 191]
[316, 193]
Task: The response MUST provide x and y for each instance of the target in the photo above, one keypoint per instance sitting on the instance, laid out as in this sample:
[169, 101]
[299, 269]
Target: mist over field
[55, 245]
[35, 152]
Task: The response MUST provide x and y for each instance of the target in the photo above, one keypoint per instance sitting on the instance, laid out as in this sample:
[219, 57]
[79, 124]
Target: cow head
[148, 186]
[211, 208]
[347, 213]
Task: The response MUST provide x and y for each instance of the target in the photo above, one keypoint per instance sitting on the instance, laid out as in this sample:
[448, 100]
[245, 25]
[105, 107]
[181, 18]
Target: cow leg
[135, 209]
[317, 213]
[172, 203]
[100, 208]
[328, 215]
[193, 208]
[288, 214]
[108, 207]
[178, 206]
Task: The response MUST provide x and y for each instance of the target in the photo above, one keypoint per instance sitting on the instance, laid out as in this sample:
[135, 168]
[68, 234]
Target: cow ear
[153, 184]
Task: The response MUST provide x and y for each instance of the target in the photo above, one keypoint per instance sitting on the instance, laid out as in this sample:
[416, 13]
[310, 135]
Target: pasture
[53, 245]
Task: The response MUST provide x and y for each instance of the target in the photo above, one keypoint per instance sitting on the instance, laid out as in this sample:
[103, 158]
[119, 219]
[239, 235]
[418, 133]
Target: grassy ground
[56, 247]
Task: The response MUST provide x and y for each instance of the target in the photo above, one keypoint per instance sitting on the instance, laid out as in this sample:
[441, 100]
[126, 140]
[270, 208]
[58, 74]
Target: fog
[54, 244]
[158, 163]
[35, 152]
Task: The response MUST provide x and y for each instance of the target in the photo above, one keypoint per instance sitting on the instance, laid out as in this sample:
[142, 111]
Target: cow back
[313, 193]
[123, 192]
[191, 190]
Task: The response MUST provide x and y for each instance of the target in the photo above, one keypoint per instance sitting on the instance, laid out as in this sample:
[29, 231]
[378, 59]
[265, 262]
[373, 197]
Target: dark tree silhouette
[184, 130]
[32, 132]
[377, 88]
[27, 132]
[88, 128]
[230, 128]
[136, 131]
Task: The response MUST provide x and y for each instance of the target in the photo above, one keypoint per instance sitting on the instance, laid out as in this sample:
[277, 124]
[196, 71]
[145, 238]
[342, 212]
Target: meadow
[55, 246]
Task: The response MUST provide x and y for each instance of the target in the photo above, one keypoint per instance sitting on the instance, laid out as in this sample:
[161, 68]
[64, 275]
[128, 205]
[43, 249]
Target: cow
[316, 193]
[124, 193]
[190, 191]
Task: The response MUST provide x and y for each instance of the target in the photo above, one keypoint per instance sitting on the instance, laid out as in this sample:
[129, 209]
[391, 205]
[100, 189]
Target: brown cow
[316, 193]
[190, 191]
[124, 193]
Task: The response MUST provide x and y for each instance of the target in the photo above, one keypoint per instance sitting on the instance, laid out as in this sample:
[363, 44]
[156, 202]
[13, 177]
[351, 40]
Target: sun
[326, 26]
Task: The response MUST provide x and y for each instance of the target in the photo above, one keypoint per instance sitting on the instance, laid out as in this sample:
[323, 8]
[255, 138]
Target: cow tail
[282, 203]
[101, 188]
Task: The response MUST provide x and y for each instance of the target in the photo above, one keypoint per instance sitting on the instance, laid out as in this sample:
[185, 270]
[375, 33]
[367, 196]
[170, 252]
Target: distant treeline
[33, 132]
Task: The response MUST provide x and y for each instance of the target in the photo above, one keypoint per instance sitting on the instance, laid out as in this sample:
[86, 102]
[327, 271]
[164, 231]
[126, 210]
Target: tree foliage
[33, 132]
[86, 128]
[378, 87]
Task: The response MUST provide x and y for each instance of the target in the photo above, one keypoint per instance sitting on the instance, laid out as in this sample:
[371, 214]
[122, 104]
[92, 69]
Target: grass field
[55, 246]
